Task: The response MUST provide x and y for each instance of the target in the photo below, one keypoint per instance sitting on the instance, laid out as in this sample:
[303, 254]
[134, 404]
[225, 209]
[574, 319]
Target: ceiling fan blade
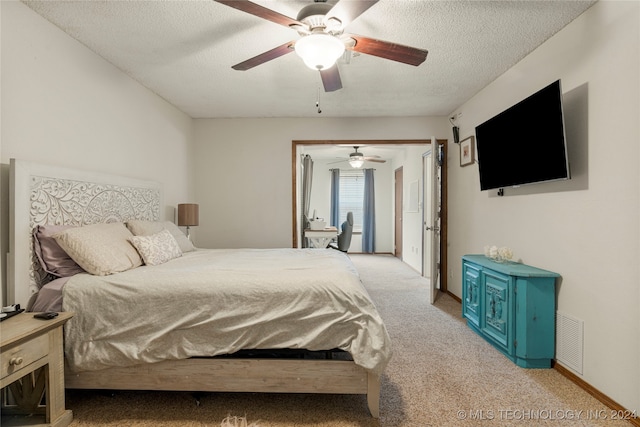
[331, 79]
[346, 10]
[274, 53]
[261, 12]
[369, 159]
[393, 51]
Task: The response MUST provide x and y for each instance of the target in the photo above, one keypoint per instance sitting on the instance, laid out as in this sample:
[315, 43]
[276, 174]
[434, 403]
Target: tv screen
[525, 143]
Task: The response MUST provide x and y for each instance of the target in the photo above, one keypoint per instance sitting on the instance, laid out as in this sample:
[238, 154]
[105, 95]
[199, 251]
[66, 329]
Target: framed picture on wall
[467, 151]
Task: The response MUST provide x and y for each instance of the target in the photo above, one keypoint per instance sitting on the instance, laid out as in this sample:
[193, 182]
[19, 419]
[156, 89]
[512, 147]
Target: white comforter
[211, 302]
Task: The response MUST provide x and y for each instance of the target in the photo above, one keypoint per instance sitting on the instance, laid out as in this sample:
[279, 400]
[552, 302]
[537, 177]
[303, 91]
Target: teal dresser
[513, 307]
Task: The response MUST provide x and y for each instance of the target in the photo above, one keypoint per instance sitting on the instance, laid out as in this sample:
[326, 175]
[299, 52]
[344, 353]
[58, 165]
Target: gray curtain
[335, 197]
[369, 214]
[307, 177]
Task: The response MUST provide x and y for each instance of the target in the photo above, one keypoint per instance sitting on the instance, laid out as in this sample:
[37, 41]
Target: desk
[33, 346]
[320, 238]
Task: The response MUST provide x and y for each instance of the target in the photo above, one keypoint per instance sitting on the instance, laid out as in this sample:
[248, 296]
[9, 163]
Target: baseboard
[594, 392]
[455, 297]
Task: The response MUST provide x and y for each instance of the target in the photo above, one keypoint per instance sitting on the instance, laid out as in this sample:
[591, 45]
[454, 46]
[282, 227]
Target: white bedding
[211, 302]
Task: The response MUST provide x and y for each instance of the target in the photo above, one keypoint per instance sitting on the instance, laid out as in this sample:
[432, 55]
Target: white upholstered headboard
[41, 194]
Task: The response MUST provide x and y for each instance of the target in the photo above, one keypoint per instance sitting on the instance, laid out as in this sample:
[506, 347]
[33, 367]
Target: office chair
[344, 238]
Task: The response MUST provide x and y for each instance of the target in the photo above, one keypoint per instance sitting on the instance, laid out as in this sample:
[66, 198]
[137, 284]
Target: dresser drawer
[21, 356]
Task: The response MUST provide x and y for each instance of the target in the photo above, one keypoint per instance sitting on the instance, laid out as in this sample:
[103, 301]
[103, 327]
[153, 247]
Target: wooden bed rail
[237, 375]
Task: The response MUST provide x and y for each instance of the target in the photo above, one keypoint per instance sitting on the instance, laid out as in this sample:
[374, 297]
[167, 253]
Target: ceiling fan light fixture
[356, 160]
[319, 51]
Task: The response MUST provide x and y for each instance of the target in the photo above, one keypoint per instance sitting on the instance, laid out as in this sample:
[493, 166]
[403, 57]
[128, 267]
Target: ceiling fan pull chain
[318, 102]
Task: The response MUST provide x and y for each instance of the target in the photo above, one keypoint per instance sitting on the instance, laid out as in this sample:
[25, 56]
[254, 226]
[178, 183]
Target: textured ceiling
[183, 51]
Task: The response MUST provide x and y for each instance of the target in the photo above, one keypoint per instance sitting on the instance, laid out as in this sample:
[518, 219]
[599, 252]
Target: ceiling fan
[357, 159]
[323, 40]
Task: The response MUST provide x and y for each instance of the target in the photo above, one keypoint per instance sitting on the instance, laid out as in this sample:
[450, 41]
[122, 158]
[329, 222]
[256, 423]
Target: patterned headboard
[41, 194]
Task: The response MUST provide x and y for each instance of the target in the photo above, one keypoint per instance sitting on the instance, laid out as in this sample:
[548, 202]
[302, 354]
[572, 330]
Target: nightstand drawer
[21, 356]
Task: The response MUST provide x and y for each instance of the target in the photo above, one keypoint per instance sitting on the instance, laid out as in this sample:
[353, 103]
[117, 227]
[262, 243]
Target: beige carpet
[441, 374]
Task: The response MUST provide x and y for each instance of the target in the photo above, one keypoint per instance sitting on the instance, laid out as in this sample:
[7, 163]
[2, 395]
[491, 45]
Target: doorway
[296, 150]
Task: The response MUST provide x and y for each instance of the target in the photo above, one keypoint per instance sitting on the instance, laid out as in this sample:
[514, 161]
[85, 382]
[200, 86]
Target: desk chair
[344, 238]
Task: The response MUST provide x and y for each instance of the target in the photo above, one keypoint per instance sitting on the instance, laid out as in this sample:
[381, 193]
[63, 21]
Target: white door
[431, 218]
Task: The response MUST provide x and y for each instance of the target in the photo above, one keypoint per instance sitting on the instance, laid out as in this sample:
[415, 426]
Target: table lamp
[188, 216]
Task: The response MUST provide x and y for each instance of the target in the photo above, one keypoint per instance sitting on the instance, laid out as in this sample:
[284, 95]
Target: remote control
[46, 315]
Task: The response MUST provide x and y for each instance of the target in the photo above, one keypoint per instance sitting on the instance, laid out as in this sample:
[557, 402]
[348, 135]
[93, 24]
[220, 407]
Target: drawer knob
[16, 361]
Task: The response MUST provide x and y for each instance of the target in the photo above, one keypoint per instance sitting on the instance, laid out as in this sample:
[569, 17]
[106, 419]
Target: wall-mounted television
[525, 143]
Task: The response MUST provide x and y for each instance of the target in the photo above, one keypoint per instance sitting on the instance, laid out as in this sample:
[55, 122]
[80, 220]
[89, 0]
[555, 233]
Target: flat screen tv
[525, 143]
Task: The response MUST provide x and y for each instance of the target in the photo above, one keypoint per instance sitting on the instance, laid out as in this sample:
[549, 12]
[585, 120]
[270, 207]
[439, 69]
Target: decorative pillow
[147, 228]
[101, 249]
[53, 259]
[157, 248]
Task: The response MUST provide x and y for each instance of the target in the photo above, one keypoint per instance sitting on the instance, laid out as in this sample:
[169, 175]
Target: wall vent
[569, 341]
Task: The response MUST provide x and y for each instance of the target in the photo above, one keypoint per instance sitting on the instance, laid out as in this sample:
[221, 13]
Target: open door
[431, 217]
[399, 185]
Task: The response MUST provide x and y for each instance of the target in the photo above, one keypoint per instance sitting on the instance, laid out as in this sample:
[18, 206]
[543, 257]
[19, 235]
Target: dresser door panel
[471, 294]
[497, 309]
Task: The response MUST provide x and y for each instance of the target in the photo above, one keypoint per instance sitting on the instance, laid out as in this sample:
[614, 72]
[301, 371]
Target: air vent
[569, 341]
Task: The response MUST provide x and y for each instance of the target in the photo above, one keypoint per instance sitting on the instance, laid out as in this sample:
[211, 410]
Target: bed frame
[41, 194]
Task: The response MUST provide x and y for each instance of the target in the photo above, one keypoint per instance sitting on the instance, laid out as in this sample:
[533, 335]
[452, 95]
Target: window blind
[352, 196]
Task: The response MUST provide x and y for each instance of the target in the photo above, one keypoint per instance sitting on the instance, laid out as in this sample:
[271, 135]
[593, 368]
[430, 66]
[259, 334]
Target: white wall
[587, 229]
[244, 174]
[63, 105]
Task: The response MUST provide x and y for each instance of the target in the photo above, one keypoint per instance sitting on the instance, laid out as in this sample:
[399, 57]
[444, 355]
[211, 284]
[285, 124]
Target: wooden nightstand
[31, 353]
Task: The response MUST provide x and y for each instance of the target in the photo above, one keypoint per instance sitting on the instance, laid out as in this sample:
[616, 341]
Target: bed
[183, 318]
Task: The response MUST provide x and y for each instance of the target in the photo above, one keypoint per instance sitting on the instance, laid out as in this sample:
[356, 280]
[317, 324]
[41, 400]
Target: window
[352, 196]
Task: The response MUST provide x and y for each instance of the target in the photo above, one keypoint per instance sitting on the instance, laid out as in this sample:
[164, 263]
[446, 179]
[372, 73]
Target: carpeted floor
[441, 374]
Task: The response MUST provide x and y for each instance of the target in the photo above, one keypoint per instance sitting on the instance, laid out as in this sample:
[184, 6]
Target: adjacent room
[214, 104]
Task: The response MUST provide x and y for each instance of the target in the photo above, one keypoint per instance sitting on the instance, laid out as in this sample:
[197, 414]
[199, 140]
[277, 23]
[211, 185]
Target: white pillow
[147, 228]
[100, 249]
[157, 248]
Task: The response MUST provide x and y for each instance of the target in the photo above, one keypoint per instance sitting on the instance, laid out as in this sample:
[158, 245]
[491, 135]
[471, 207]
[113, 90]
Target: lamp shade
[319, 51]
[188, 214]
